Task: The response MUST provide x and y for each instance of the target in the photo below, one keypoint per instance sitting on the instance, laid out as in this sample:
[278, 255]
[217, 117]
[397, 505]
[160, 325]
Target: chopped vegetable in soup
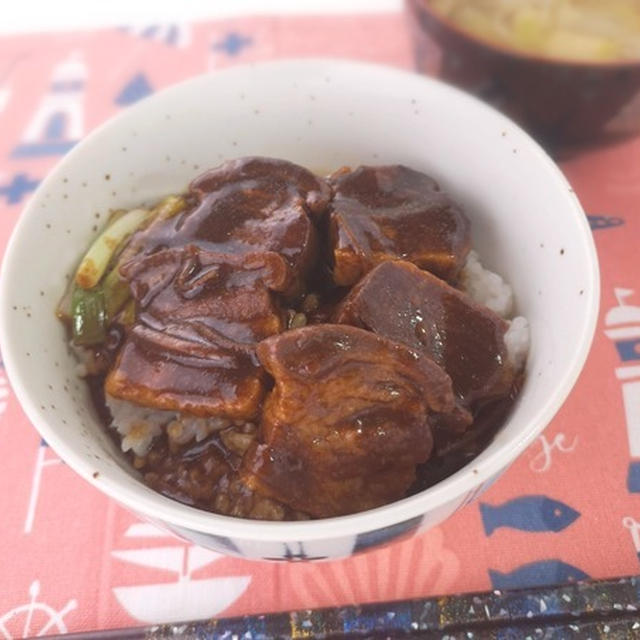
[587, 30]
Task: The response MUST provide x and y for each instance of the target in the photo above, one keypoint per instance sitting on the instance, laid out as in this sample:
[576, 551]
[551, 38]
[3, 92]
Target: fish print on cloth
[183, 599]
[136, 89]
[171, 34]
[58, 122]
[537, 574]
[528, 513]
[629, 522]
[623, 328]
[45, 457]
[34, 618]
[604, 222]
[15, 189]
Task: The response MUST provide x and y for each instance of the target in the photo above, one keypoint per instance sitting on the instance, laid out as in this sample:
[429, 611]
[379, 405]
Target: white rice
[85, 358]
[139, 425]
[516, 340]
[488, 288]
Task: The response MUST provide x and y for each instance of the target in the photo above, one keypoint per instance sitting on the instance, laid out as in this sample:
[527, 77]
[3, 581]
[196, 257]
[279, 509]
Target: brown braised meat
[200, 316]
[157, 369]
[401, 302]
[347, 420]
[248, 205]
[283, 181]
[229, 295]
[393, 212]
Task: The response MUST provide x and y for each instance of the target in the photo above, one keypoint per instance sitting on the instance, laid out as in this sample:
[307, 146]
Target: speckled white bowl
[526, 222]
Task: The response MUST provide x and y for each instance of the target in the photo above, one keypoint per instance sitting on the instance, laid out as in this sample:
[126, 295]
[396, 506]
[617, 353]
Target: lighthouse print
[58, 122]
[623, 328]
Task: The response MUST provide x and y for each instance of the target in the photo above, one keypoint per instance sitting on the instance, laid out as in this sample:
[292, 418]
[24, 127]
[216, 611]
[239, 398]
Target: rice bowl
[450, 124]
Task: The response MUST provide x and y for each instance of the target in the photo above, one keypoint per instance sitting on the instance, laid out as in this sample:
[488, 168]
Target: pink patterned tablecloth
[70, 559]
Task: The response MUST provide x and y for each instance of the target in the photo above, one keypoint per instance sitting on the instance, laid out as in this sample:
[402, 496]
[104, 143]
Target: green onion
[128, 314]
[89, 316]
[116, 293]
[115, 214]
[63, 310]
[169, 207]
[96, 260]
[95, 299]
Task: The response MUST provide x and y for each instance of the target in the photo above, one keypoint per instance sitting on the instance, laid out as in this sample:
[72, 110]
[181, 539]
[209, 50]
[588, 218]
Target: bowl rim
[520, 54]
[156, 507]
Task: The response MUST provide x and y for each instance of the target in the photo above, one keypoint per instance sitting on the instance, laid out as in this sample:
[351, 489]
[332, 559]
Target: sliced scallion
[96, 260]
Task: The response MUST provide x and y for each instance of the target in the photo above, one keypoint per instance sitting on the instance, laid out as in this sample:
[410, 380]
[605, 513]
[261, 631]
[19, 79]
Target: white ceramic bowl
[526, 223]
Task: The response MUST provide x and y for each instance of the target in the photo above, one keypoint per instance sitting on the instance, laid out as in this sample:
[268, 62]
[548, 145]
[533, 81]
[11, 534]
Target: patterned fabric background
[569, 508]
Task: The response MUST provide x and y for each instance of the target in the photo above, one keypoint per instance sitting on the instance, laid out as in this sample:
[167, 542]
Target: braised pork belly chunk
[347, 420]
[200, 316]
[275, 345]
[390, 213]
[230, 295]
[401, 302]
[248, 206]
[157, 369]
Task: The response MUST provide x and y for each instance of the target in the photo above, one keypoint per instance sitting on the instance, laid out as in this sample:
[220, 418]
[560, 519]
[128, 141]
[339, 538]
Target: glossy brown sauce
[178, 473]
[218, 289]
[382, 213]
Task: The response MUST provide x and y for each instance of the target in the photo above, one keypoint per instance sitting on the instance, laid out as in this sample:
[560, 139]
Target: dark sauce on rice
[204, 474]
[258, 250]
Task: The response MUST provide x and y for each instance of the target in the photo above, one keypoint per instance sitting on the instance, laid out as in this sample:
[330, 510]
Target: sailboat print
[184, 599]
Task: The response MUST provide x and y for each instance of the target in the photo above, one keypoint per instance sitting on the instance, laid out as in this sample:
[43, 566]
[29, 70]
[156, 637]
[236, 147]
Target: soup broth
[583, 30]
